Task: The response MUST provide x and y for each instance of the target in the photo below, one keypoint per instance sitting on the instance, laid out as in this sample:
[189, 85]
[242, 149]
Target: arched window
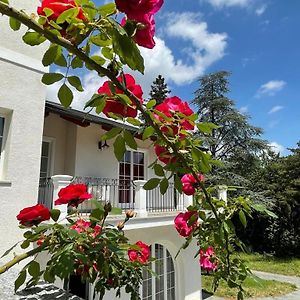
[162, 286]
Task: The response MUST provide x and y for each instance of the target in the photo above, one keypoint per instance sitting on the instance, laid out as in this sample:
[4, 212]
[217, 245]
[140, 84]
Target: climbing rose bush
[142, 255]
[185, 223]
[33, 215]
[73, 195]
[84, 36]
[116, 106]
[207, 259]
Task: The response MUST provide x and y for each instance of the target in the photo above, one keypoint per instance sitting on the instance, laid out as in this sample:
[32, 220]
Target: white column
[222, 193]
[59, 182]
[140, 205]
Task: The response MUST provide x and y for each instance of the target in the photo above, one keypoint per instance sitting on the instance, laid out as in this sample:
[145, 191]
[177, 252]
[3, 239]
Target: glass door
[132, 167]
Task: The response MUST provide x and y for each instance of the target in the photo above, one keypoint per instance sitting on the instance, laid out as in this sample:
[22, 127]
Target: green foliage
[65, 95]
[159, 90]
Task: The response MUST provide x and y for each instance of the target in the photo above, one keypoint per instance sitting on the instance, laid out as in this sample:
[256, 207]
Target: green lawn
[255, 288]
[270, 264]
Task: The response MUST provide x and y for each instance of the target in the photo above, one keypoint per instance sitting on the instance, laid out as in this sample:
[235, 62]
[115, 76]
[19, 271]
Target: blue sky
[262, 50]
[257, 40]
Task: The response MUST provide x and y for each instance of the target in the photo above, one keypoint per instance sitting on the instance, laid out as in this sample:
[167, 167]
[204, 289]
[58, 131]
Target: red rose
[141, 255]
[183, 225]
[58, 7]
[170, 108]
[205, 259]
[136, 8]
[116, 106]
[33, 215]
[144, 37]
[189, 183]
[82, 226]
[73, 195]
[164, 155]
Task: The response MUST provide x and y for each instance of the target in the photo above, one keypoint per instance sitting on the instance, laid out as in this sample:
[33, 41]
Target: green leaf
[129, 139]
[178, 184]
[76, 63]
[4, 1]
[111, 134]
[128, 51]
[98, 59]
[9, 250]
[159, 170]
[34, 269]
[96, 100]
[67, 15]
[14, 24]
[151, 184]
[107, 53]
[101, 40]
[50, 78]
[207, 127]
[148, 132]
[55, 213]
[133, 121]
[65, 95]
[25, 244]
[48, 12]
[50, 55]
[33, 38]
[61, 60]
[75, 82]
[271, 214]
[163, 186]
[20, 280]
[107, 9]
[97, 214]
[119, 147]
[151, 103]
[242, 218]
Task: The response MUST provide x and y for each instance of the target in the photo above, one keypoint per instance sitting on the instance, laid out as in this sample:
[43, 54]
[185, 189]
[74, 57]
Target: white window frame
[50, 166]
[146, 163]
[4, 148]
[153, 285]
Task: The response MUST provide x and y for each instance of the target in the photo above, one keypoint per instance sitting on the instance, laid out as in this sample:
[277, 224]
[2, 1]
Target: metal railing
[170, 201]
[119, 193]
[45, 193]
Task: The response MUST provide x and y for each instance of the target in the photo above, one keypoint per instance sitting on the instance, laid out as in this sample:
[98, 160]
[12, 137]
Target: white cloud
[243, 109]
[275, 109]
[261, 9]
[200, 49]
[277, 147]
[271, 88]
[229, 3]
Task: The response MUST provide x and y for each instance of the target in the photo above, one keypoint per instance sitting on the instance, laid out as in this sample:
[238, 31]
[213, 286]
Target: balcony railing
[124, 194]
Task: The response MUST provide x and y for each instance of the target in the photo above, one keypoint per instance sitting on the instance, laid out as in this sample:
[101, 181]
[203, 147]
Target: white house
[44, 146]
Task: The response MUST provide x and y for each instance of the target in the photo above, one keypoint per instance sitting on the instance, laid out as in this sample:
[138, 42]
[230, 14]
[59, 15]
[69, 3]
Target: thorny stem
[19, 258]
[32, 24]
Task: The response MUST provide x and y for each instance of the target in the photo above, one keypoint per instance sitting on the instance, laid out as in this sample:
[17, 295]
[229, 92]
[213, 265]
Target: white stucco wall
[76, 150]
[22, 96]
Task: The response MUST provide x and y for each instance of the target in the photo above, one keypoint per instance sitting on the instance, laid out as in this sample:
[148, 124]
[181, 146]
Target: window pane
[44, 164]
[1, 126]
[45, 149]
[0, 144]
[138, 158]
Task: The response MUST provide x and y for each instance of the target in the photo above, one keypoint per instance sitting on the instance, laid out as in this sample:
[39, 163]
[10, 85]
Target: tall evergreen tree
[159, 89]
[235, 135]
